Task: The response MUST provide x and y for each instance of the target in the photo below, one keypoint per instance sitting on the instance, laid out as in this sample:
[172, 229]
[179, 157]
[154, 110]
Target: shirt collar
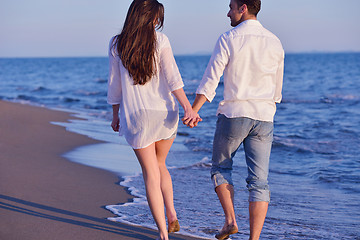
[251, 22]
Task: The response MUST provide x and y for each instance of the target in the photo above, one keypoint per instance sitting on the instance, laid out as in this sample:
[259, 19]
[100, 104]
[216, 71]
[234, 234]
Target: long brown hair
[136, 44]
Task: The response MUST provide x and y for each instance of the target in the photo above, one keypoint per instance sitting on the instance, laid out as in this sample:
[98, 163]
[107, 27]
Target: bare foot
[226, 232]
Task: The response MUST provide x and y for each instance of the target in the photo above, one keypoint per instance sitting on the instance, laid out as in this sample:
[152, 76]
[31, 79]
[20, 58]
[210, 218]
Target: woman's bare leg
[162, 149]
[151, 173]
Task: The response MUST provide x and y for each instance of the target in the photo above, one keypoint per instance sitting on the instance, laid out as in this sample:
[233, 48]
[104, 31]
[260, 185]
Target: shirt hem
[164, 138]
[246, 116]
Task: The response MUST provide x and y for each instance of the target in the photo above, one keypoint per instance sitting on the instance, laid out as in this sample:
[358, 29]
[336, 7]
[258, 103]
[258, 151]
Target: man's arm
[214, 70]
[199, 102]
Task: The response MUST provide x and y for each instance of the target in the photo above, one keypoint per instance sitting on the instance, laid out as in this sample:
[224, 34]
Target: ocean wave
[41, 89]
[339, 175]
[328, 99]
[69, 99]
[138, 197]
[339, 99]
[307, 145]
[91, 93]
[185, 134]
[202, 149]
[100, 80]
[204, 163]
[27, 98]
[350, 97]
[190, 93]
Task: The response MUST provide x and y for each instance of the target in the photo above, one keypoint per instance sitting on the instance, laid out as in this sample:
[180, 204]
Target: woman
[143, 81]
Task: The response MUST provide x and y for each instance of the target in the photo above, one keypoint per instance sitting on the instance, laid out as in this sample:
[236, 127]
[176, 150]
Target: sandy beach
[45, 196]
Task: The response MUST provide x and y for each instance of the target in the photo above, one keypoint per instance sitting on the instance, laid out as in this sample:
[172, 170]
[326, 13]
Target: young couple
[144, 84]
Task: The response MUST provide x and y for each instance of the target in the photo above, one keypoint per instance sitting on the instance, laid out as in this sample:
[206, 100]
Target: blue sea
[315, 161]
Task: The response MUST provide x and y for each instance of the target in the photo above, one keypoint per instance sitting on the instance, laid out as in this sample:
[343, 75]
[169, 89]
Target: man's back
[255, 56]
[252, 60]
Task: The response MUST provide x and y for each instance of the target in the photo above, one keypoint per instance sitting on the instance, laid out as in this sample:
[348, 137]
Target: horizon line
[182, 54]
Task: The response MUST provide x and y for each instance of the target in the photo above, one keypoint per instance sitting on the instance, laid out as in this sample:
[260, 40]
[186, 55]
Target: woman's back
[148, 112]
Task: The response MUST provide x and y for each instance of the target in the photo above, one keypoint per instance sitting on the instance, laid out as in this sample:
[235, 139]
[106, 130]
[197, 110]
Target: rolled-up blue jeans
[257, 137]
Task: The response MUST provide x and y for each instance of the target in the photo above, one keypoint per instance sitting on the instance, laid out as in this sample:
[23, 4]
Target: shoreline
[43, 195]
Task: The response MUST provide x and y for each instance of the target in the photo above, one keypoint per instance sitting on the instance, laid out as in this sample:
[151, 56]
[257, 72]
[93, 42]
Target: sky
[75, 28]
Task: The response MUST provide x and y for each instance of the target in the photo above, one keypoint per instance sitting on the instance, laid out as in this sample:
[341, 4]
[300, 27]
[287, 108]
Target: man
[251, 59]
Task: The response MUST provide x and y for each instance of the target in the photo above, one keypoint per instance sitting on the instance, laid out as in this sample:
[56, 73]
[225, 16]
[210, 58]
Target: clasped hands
[191, 118]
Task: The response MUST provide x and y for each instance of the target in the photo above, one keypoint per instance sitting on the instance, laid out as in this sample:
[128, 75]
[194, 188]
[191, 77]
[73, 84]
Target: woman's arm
[190, 118]
[114, 87]
[114, 93]
[173, 78]
[115, 124]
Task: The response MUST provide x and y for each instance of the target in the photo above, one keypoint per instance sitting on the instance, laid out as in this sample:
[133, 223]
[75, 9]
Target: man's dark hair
[253, 6]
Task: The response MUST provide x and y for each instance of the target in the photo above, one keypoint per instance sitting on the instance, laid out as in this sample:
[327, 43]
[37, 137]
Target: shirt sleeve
[215, 69]
[279, 81]
[114, 81]
[168, 67]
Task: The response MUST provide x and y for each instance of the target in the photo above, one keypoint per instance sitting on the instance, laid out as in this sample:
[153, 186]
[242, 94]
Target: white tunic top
[252, 61]
[148, 113]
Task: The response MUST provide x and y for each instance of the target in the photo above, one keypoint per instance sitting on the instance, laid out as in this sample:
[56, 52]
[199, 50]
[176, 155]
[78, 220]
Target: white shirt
[148, 113]
[251, 59]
